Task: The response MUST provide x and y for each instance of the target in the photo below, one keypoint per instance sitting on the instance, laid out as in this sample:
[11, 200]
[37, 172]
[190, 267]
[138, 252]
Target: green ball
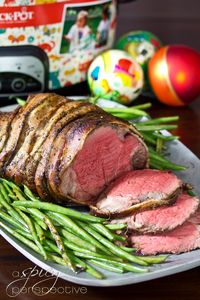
[141, 45]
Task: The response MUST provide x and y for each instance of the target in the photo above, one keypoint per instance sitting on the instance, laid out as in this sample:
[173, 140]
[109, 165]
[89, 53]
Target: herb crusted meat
[63, 149]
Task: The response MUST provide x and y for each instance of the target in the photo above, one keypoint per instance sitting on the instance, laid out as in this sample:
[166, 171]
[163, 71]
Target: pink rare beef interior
[182, 239]
[106, 154]
[162, 218]
[136, 187]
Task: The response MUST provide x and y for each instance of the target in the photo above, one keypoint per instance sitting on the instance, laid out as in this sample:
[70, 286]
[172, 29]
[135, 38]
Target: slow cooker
[49, 44]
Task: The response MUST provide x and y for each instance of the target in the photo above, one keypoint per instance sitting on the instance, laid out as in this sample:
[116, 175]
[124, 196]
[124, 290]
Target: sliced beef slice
[182, 239]
[94, 151]
[163, 218]
[136, 191]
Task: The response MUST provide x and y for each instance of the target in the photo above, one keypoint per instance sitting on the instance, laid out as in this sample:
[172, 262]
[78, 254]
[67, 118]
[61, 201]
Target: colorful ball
[141, 45]
[174, 74]
[116, 76]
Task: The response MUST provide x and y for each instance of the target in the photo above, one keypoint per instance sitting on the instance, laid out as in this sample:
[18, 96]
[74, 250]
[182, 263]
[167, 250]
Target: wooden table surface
[185, 285]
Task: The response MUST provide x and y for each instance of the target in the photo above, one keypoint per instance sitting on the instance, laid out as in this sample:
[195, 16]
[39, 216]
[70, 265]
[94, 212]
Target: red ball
[174, 74]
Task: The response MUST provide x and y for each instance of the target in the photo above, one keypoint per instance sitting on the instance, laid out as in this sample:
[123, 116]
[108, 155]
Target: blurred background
[173, 21]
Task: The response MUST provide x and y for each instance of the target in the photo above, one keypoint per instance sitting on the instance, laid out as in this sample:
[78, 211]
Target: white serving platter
[179, 154]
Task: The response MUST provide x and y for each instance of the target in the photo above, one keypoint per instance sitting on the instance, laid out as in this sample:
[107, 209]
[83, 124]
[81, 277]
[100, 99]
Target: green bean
[155, 165]
[65, 221]
[7, 187]
[128, 110]
[4, 193]
[129, 267]
[20, 101]
[164, 162]
[127, 249]
[29, 194]
[149, 139]
[112, 247]
[25, 234]
[53, 230]
[51, 246]
[59, 260]
[92, 271]
[11, 184]
[56, 259]
[125, 116]
[77, 248]
[92, 100]
[32, 229]
[37, 220]
[76, 240]
[161, 120]
[164, 137]
[11, 211]
[103, 230]
[77, 261]
[40, 232]
[36, 214]
[20, 238]
[59, 243]
[91, 255]
[159, 145]
[59, 209]
[18, 194]
[191, 193]
[89, 269]
[119, 238]
[117, 226]
[74, 247]
[12, 221]
[107, 266]
[154, 259]
[142, 106]
[146, 128]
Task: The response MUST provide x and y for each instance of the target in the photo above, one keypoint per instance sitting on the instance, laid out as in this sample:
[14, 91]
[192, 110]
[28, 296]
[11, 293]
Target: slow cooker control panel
[21, 75]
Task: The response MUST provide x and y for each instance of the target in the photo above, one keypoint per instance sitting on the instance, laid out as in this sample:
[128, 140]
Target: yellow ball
[116, 76]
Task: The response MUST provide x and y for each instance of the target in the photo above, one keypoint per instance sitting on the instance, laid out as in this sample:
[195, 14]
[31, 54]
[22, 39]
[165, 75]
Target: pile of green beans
[68, 237]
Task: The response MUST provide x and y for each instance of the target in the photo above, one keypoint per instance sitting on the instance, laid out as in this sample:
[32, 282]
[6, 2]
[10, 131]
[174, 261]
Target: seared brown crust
[39, 148]
[5, 119]
[142, 206]
[5, 130]
[17, 129]
[35, 123]
[36, 151]
[33, 137]
[79, 110]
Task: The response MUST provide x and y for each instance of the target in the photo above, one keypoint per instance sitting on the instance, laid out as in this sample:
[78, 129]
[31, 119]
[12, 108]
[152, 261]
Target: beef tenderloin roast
[64, 149]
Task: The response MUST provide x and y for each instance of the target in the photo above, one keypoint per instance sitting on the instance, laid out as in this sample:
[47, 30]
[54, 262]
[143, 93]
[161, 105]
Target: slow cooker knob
[18, 85]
